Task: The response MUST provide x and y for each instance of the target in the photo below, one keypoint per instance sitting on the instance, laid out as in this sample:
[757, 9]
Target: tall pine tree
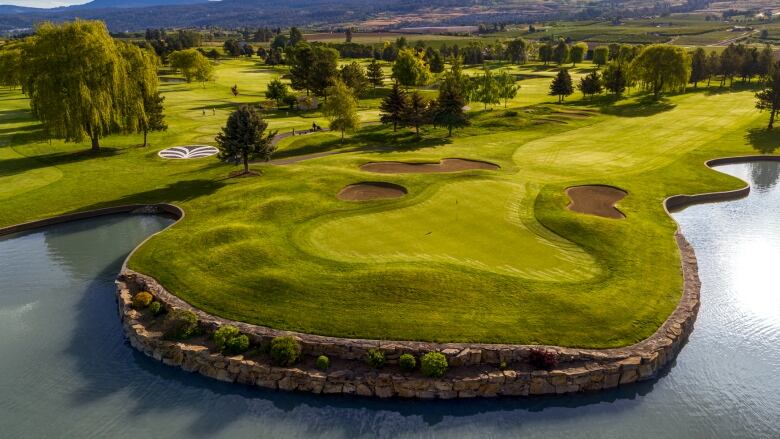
[393, 107]
[416, 112]
[448, 110]
[561, 85]
[374, 73]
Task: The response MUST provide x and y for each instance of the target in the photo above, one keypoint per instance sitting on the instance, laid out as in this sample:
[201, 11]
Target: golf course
[474, 237]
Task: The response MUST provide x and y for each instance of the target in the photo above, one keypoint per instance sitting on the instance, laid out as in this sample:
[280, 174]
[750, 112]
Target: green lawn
[490, 256]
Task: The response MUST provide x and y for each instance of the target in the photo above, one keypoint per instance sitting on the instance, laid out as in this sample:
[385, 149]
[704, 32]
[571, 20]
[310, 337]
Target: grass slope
[491, 256]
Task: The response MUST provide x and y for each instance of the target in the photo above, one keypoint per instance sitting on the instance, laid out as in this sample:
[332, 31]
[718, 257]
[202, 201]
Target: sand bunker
[445, 165]
[596, 200]
[371, 190]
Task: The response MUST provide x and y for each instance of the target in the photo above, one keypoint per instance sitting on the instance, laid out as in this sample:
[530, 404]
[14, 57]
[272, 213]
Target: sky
[42, 3]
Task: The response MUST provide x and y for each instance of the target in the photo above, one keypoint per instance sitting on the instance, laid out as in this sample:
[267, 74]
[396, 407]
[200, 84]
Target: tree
[436, 62]
[243, 138]
[713, 66]
[393, 107]
[324, 71]
[300, 58]
[560, 53]
[354, 76]
[155, 116]
[193, 65]
[375, 74]
[765, 60]
[577, 53]
[517, 51]
[487, 89]
[10, 66]
[698, 66]
[415, 112]
[149, 114]
[232, 48]
[590, 84]
[730, 60]
[545, 53]
[615, 78]
[79, 83]
[348, 35]
[448, 110]
[295, 36]
[769, 97]
[409, 69]
[341, 108]
[277, 90]
[561, 85]
[661, 67]
[507, 86]
[600, 55]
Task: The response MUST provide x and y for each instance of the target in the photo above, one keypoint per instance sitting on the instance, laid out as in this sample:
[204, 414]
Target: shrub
[433, 364]
[285, 351]
[223, 334]
[156, 308]
[237, 345]
[181, 324]
[142, 300]
[510, 113]
[503, 365]
[323, 362]
[407, 362]
[375, 358]
[542, 359]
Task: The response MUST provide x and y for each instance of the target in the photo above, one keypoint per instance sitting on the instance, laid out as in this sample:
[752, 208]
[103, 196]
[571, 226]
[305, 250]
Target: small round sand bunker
[445, 165]
[596, 200]
[371, 190]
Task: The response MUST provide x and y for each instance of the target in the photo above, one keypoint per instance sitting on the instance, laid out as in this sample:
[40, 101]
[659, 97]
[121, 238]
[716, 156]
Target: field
[479, 255]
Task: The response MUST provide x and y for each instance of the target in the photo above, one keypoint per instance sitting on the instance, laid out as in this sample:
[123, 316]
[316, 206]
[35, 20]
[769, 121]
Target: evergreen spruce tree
[416, 112]
[590, 84]
[242, 138]
[374, 72]
[448, 110]
[615, 78]
[155, 118]
[393, 106]
[561, 85]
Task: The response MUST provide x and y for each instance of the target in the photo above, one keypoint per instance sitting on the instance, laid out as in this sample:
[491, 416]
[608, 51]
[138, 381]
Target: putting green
[473, 223]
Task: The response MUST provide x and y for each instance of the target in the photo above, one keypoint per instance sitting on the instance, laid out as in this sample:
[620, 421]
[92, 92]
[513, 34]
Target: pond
[66, 370]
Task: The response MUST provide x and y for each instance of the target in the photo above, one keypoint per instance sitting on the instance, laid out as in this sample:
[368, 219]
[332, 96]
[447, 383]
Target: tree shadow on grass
[22, 164]
[643, 107]
[175, 192]
[763, 140]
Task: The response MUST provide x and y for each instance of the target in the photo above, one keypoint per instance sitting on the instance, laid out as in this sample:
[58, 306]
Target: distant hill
[137, 15]
[96, 4]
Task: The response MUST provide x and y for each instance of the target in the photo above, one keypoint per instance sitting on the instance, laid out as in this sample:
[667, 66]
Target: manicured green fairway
[491, 256]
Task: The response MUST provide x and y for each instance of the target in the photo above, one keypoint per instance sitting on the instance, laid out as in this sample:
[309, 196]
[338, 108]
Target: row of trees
[83, 84]
[735, 61]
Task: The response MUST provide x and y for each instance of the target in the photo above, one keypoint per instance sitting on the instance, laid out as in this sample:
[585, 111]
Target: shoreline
[474, 367]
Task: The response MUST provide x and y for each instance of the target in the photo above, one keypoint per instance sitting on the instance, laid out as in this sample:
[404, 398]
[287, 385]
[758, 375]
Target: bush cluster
[285, 351]
[407, 362]
[323, 363]
[155, 308]
[375, 358]
[230, 340]
[142, 300]
[542, 359]
[433, 364]
[181, 324]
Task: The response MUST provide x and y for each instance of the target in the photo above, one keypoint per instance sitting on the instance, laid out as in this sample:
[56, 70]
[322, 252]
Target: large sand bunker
[596, 200]
[444, 165]
[371, 190]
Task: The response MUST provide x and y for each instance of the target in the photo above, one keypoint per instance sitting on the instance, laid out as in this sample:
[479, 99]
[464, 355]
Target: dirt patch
[445, 165]
[596, 200]
[371, 190]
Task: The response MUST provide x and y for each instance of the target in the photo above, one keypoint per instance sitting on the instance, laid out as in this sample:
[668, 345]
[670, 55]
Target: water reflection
[763, 175]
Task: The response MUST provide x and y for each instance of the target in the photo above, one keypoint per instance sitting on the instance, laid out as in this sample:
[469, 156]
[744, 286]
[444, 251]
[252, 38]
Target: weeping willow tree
[10, 65]
[145, 106]
[661, 67]
[83, 84]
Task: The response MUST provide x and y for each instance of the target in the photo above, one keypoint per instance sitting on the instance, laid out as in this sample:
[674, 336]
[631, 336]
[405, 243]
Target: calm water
[65, 370]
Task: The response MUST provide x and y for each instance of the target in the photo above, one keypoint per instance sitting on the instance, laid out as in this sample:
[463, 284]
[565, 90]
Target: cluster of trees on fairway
[83, 84]
[164, 42]
[736, 60]
[192, 64]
